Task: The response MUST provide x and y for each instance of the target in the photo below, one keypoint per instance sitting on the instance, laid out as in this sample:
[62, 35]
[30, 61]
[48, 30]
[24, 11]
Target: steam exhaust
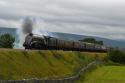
[27, 26]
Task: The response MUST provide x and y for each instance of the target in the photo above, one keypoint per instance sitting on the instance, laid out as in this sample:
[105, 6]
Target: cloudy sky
[103, 18]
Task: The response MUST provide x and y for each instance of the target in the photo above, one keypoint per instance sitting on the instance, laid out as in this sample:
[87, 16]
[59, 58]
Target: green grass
[20, 64]
[106, 74]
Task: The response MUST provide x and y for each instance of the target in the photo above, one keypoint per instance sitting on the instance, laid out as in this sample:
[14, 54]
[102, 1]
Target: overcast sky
[103, 18]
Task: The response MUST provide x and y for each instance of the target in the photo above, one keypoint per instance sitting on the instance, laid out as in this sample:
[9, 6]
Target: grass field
[21, 64]
[106, 74]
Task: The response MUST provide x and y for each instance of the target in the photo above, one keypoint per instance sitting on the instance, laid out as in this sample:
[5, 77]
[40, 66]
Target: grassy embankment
[20, 64]
[106, 74]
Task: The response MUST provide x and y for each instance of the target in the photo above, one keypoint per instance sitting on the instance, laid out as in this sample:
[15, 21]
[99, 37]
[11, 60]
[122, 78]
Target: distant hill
[12, 31]
[67, 36]
[108, 42]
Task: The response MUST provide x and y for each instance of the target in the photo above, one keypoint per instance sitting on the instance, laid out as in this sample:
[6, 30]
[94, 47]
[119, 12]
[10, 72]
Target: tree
[7, 41]
[100, 42]
[92, 40]
[89, 40]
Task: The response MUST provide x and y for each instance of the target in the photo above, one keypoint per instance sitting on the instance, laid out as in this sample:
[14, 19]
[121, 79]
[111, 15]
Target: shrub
[117, 56]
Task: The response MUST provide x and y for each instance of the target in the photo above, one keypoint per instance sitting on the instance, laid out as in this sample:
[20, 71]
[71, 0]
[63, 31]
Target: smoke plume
[27, 26]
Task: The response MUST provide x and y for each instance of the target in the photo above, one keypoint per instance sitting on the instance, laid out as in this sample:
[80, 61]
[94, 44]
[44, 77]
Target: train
[38, 42]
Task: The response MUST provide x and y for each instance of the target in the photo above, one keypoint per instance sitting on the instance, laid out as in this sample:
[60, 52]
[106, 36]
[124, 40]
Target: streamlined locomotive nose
[28, 40]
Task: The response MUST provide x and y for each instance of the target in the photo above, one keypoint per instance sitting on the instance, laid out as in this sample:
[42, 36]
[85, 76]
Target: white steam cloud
[40, 28]
[25, 28]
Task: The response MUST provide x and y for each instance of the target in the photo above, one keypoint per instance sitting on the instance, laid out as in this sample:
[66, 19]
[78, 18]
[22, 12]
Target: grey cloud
[90, 17]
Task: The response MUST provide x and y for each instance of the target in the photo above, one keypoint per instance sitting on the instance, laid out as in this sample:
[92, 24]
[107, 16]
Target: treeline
[92, 40]
[7, 41]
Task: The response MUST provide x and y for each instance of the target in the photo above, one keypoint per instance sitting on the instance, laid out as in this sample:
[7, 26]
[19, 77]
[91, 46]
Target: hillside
[108, 42]
[11, 31]
[21, 64]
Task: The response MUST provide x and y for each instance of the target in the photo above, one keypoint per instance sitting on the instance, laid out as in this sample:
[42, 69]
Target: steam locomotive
[36, 42]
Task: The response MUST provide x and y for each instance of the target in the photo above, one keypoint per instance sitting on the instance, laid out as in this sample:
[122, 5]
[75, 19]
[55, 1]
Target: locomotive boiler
[37, 42]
